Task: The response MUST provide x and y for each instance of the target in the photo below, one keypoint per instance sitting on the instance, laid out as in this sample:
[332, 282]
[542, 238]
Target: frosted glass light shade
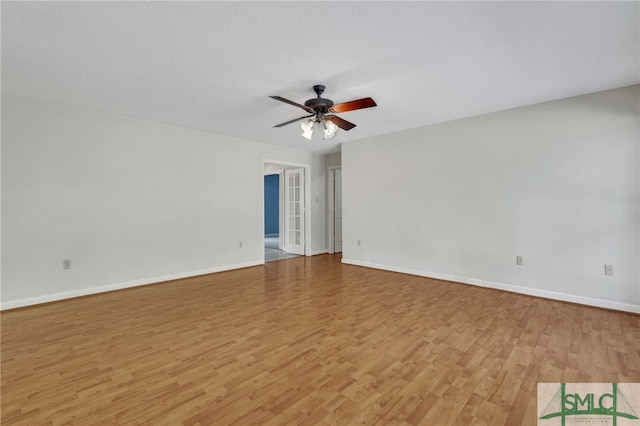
[330, 129]
[307, 128]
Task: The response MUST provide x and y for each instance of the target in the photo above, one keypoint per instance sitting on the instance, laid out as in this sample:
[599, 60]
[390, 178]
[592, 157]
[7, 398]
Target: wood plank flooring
[304, 341]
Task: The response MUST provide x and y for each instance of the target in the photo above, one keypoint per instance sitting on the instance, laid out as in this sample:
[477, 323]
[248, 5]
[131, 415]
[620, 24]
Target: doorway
[285, 210]
[337, 211]
[334, 198]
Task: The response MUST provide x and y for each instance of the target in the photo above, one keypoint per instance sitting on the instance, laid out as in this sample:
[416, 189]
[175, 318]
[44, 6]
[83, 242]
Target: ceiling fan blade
[287, 101]
[352, 105]
[293, 121]
[340, 122]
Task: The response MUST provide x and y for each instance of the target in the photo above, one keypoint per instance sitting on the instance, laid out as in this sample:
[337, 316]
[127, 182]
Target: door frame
[331, 207]
[282, 165]
[280, 173]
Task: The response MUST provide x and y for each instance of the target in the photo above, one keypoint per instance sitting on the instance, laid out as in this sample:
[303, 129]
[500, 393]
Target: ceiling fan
[322, 111]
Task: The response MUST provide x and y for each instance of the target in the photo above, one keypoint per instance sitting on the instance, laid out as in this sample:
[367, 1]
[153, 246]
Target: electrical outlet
[519, 260]
[608, 270]
[66, 264]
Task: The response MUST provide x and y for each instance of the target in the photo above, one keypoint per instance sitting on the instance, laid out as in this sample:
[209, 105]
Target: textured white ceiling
[212, 65]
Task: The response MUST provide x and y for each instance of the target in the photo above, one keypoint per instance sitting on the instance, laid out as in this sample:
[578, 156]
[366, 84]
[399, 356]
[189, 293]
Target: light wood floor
[304, 341]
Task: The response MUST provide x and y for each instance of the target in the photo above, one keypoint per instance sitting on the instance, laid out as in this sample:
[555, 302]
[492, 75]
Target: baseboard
[20, 303]
[547, 294]
[600, 303]
[316, 252]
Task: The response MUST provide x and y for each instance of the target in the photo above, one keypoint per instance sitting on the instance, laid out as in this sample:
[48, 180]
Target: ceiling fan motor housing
[319, 104]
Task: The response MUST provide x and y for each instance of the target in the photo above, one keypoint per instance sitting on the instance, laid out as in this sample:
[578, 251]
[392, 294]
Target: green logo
[590, 401]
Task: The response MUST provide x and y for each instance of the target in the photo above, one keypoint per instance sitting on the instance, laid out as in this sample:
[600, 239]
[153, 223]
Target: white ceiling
[212, 65]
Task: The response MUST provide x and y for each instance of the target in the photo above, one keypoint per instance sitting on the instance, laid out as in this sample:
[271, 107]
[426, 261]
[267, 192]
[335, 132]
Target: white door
[294, 211]
[337, 211]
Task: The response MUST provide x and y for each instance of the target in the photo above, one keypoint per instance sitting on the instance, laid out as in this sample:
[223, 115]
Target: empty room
[453, 199]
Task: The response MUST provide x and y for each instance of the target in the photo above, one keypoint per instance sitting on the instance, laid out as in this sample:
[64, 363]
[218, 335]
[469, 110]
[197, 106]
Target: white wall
[557, 183]
[128, 201]
[333, 160]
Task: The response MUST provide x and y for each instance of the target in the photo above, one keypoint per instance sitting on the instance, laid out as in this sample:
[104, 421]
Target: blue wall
[271, 204]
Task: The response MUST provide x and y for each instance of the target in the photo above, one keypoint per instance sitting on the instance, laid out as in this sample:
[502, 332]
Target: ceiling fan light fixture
[307, 128]
[330, 129]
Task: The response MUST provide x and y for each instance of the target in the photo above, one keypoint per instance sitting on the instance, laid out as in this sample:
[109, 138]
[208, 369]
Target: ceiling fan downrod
[319, 88]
